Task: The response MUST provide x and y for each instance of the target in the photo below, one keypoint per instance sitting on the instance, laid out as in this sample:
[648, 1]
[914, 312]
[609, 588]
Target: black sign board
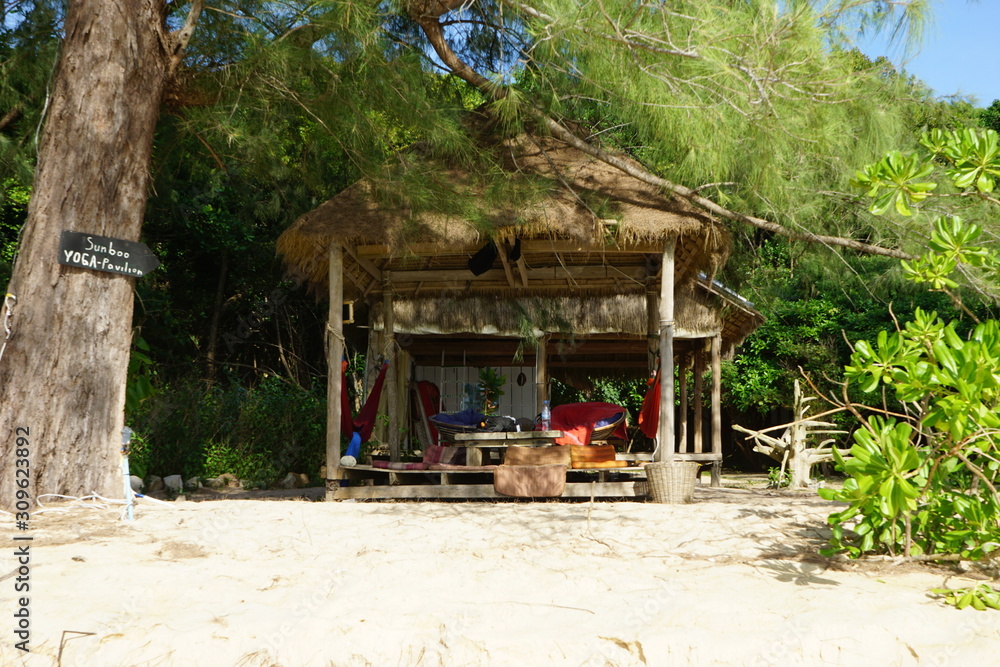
[101, 253]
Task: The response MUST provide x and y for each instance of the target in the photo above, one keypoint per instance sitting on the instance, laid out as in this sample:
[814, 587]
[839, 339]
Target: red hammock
[577, 420]
[649, 415]
[430, 398]
[364, 423]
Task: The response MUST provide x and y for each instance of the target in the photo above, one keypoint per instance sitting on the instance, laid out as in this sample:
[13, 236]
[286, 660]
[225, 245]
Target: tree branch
[179, 38]
[10, 117]
[435, 34]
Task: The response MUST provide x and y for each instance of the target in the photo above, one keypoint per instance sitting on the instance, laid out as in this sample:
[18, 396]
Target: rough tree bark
[63, 373]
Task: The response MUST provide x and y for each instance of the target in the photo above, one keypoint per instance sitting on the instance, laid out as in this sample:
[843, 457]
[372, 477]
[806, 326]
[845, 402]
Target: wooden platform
[625, 489]
[380, 483]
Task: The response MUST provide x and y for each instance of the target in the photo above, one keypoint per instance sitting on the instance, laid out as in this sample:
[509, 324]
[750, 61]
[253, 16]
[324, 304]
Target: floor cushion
[591, 465]
[545, 481]
[520, 455]
[433, 455]
[591, 453]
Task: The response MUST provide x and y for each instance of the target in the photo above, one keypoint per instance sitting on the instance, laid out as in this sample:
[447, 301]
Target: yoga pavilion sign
[101, 253]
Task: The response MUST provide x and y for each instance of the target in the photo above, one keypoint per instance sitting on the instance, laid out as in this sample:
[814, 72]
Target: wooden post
[334, 380]
[682, 424]
[652, 331]
[699, 376]
[717, 409]
[665, 436]
[392, 381]
[541, 374]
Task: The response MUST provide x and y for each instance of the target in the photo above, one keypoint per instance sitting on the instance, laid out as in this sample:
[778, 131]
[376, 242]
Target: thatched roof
[702, 309]
[583, 205]
[578, 259]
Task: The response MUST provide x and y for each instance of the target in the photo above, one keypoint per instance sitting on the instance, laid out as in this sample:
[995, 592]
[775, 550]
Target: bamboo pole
[717, 409]
[389, 340]
[652, 330]
[665, 436]
[541, 374]
[682, 425]
[699, 376]
[334, 381]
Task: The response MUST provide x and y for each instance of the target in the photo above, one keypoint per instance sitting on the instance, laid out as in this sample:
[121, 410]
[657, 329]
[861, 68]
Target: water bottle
[546, 416]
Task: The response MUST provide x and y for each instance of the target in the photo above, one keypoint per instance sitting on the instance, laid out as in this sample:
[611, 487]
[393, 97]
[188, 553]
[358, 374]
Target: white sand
[729, 580]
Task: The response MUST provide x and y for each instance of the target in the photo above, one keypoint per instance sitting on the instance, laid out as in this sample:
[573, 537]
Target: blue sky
[960, 52]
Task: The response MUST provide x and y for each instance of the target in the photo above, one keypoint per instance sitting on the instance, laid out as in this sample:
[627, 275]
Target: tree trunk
[62, 376]
[213, 329]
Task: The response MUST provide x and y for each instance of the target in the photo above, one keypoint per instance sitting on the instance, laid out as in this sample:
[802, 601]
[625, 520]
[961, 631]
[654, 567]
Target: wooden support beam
[532, 246]
[541, 374]
[522, 269]
[417, 249]
[554, 287]
[684, 264]
[506, 263]
[357, 280]
[634, 273]
[699, 376]
[652, 331]
[665, 447]
[539, 246]
[682, 439]
[717, 408]
[390, 350]
[365, 264]
[334, 353]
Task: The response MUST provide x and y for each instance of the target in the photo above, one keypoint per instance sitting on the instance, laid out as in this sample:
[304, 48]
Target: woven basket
[672, 482]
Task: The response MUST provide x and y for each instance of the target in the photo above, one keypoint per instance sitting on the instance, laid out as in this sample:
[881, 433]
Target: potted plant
[489, 390]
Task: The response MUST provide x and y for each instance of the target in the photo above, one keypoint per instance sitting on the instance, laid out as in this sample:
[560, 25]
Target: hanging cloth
[483, 260]
[430, 398]
[360, 427]
[649, 415]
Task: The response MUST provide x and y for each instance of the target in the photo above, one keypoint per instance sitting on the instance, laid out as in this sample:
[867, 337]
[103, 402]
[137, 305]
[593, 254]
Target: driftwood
[790, 449]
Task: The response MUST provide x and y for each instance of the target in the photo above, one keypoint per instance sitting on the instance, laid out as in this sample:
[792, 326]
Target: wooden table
[477, 442]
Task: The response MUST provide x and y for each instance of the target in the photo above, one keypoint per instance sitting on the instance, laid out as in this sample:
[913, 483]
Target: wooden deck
[368, 482]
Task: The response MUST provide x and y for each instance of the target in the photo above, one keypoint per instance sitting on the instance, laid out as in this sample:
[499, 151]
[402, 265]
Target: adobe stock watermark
[22, 542]
[646, 611]
[304, 609]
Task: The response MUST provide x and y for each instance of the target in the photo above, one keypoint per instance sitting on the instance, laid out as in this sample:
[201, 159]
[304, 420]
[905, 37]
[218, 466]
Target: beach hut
[597, 271]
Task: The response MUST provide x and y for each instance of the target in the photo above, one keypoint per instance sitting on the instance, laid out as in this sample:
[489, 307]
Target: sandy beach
[731, 579]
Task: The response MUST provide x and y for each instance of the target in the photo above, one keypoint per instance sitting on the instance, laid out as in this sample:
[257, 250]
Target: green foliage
[138, 455]
[696, 115]
[895, 180]
[814, 303]
[777, 480]
[879, 488]
[13, 211]
[798, 333]
[624, 391]
[926, 485]
[990, 116]
[258, 434]
[972, 156]
[139, 385]
[971, 165]
[924, 480]
[978, 597]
